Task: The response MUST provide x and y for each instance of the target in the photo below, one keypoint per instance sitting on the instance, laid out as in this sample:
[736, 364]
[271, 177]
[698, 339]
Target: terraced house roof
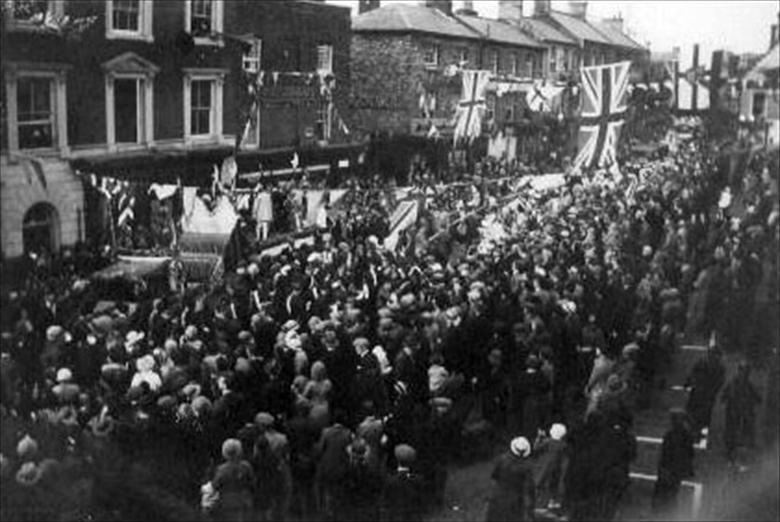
[411, 18]
[618, 37]
[498, 31]
[545, 32]
[580, 29]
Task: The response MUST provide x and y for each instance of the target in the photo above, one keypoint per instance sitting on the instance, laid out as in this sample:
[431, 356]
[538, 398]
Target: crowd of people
[340, 380]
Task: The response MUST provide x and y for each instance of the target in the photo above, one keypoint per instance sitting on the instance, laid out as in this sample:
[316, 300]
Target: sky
[736, 25]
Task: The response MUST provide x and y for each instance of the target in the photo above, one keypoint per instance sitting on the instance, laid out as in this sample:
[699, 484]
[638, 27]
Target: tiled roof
[580, 29]
[498, 31]
[618, 37]
[544, 31]
[394, 17]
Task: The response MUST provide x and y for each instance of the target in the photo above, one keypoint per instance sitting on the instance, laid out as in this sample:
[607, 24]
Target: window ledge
[122, 35]
[24, 26]
[217, 41]
[15, 155]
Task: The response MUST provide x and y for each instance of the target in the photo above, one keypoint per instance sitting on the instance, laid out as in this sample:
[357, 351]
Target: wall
[389, 76]
[291, 32]
[21, 190]
[86, 79]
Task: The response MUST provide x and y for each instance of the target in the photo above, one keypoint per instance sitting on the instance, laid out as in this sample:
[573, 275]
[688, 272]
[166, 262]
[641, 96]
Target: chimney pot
[445, 6]
[541, 7]
[510, 10]
[578, 8]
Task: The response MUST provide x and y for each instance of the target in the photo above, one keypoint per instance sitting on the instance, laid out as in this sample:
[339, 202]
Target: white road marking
[697, 490]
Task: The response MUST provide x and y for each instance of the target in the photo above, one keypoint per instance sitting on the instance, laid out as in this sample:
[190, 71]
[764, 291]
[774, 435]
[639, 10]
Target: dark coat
[705, 380]
[513, 495]
[402, 497]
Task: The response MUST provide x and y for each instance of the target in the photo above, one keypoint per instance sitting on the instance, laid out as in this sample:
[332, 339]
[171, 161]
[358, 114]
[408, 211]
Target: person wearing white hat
[513, 495]
[146, 373]
[551, 458]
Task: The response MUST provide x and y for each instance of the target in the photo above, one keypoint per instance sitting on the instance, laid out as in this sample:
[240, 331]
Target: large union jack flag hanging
[472, 105]
[603, 113]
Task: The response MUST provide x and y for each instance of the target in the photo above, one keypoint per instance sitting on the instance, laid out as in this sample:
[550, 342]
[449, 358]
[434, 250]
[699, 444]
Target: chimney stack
[510, 10]
[467, 9]
[615, 23]
[541, 7]
[445, 6]
[578, 8]
[365, 6]
[774, 37]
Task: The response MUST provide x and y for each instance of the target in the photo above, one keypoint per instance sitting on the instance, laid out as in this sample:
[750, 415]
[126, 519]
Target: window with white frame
[129, 108]
[517, 64]
[464, 55]
[431, 54]
[130, 104]
[203, 19]
[553, 54]
[29, 14]
[129, 19]
[35, 114]
[251, 58]
[325, 58]
[561, 59]
[494, 61]
[325, 121]
[490, 106]
[203, 105]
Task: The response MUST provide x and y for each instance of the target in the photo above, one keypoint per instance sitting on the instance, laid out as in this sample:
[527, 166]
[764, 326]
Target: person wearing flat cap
[403, 499]
[514, 491]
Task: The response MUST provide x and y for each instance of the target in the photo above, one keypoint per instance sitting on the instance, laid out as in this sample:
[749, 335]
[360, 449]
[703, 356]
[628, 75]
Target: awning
[193, 167]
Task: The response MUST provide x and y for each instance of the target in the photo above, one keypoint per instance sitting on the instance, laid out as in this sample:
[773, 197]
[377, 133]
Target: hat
[191, 331]
[264, 419]
[292, 324]
[201, 405]
[145, 363]
[170, 345]
[557, 431]
[191, 390]
[361, 342]
[245, 336]
[441, 402]
[28, 475]
[64, 375]
[27, 448]
[405, 454]
[231, 449]
[166, 402]
[134, 337]
[520, 447]
[54, 332]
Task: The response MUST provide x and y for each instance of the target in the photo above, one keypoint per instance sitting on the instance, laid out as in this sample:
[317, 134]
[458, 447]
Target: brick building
[403, 60]
[403, 57]
[155, 91]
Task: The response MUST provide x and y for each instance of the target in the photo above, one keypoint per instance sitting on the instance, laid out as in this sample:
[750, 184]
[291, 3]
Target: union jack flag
[472, 105]
[603, 113]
